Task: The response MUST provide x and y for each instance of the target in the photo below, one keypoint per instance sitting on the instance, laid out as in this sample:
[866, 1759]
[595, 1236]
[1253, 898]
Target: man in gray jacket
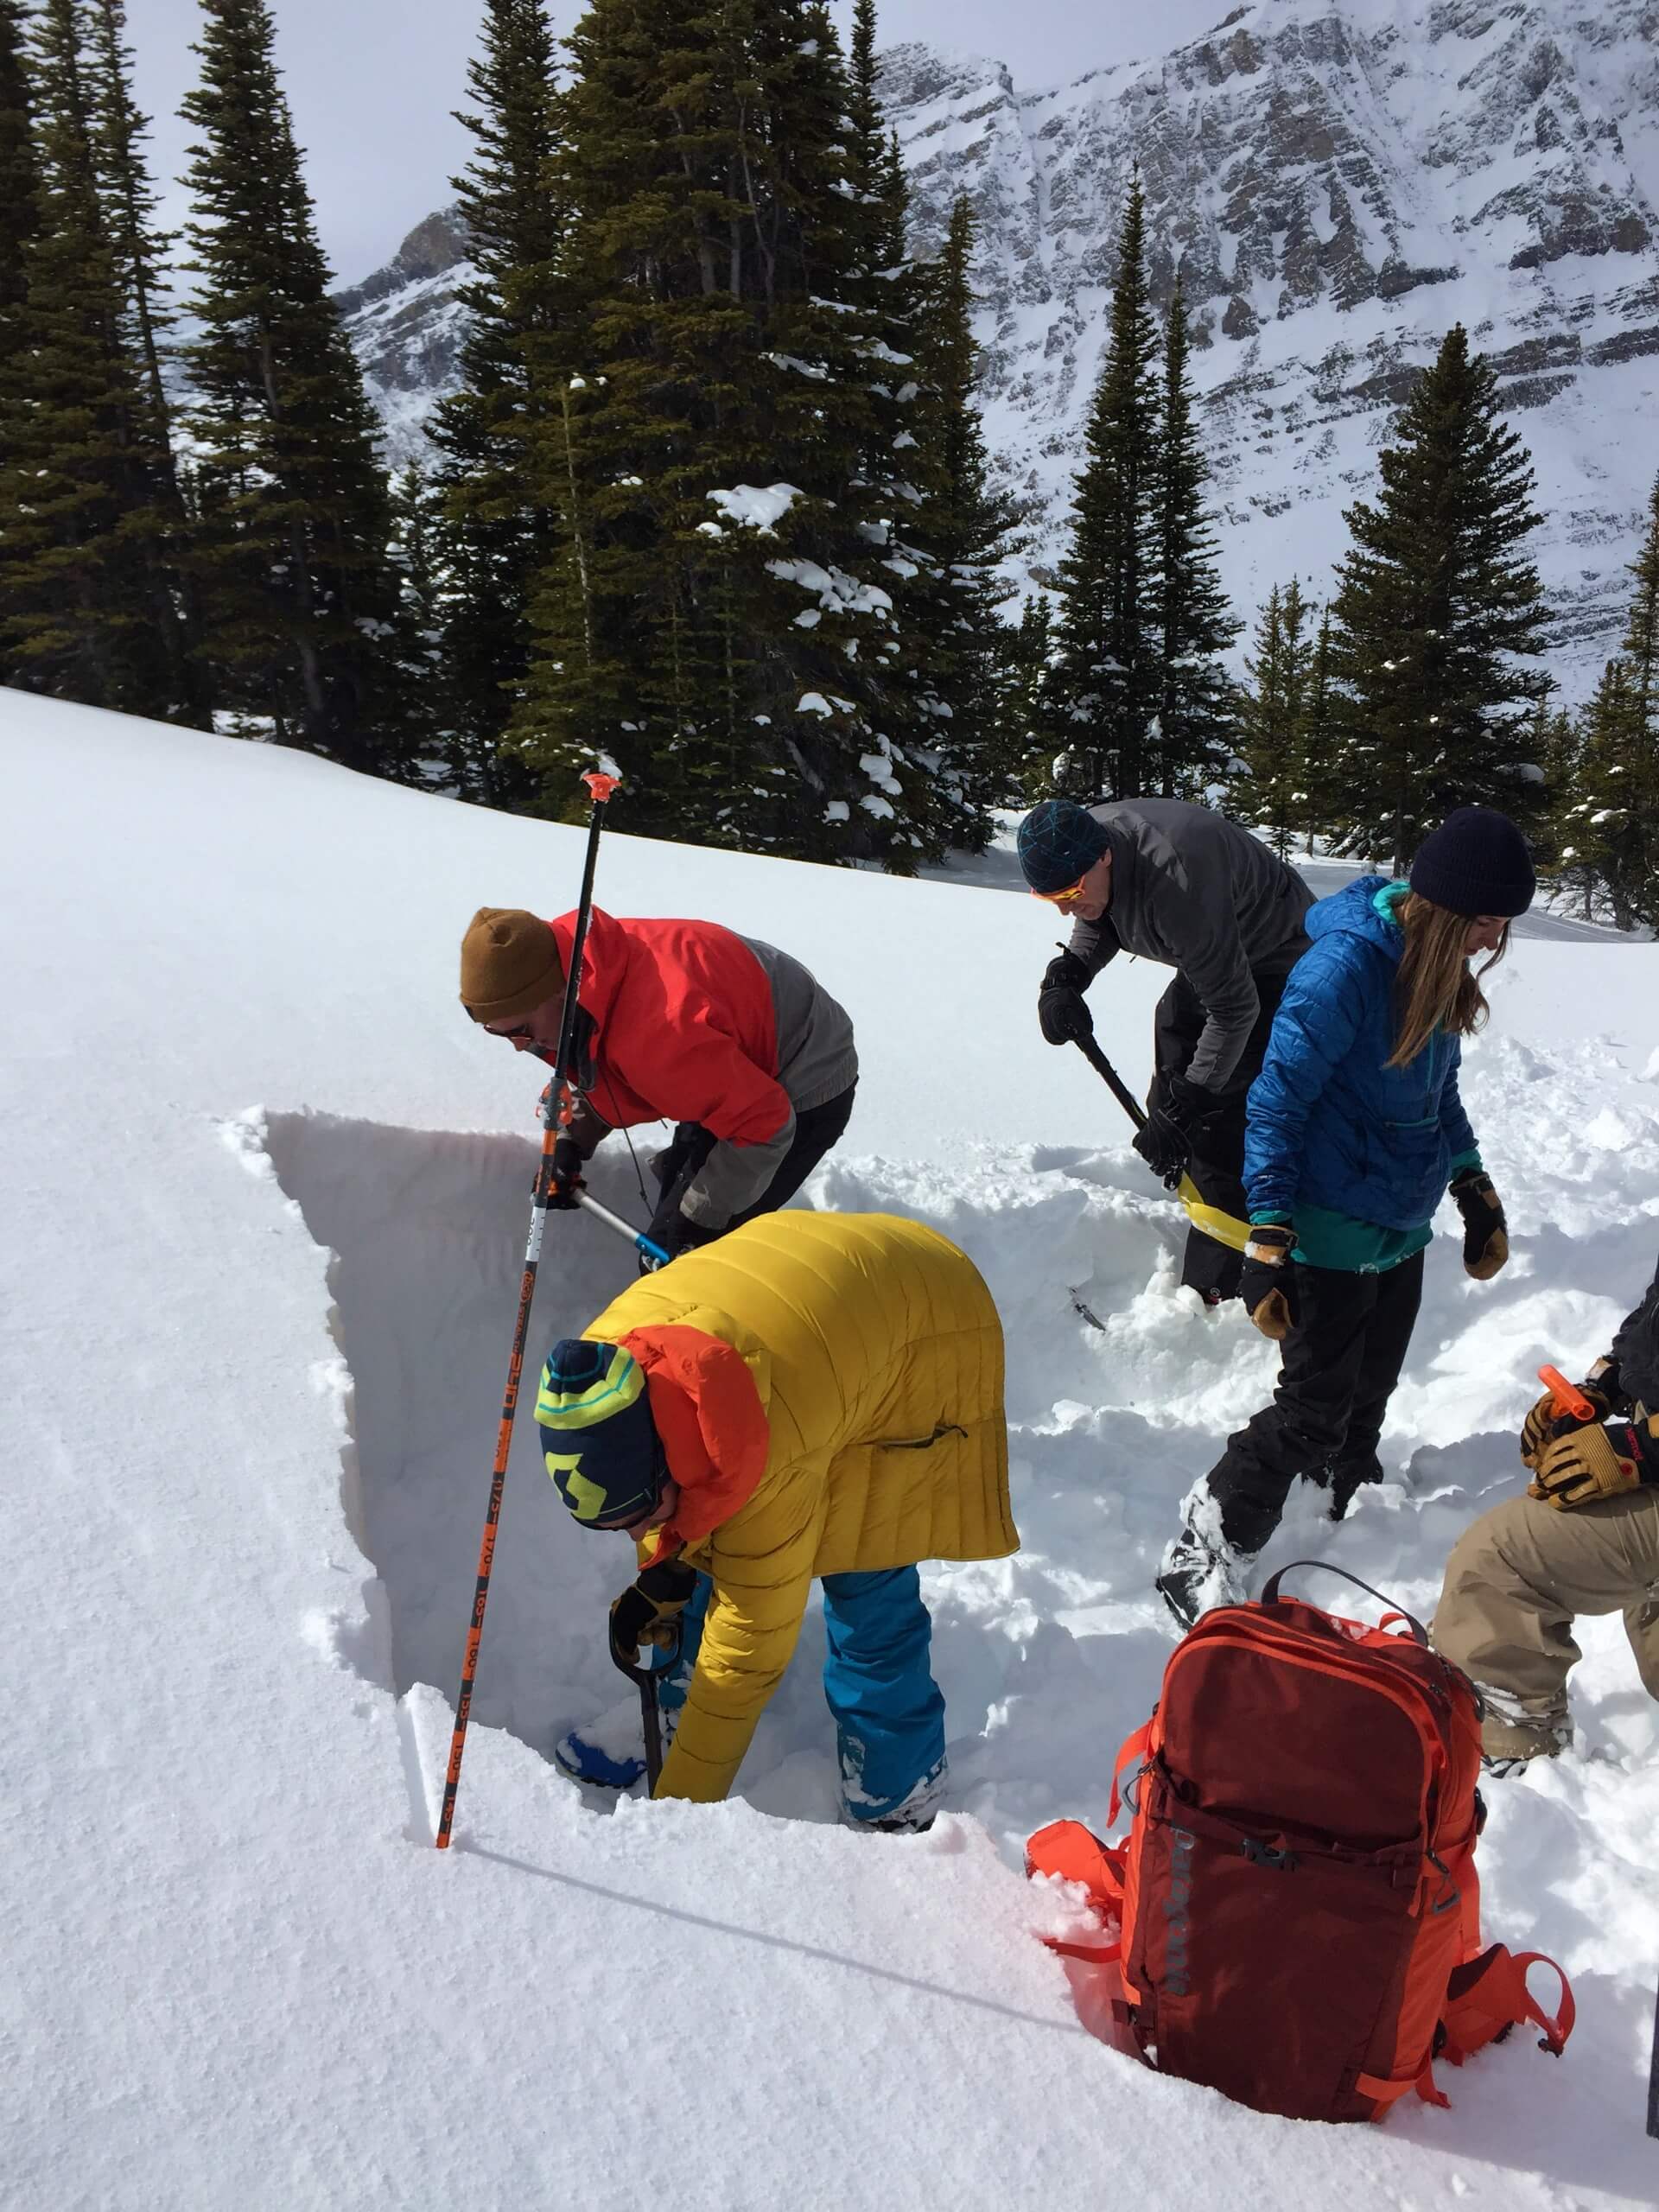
[1183, 886]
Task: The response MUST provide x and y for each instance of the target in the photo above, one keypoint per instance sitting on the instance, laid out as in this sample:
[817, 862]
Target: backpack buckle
[1263, 1854]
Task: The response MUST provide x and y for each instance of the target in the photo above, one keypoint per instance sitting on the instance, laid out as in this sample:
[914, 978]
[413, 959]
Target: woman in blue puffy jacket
[1355, 1131]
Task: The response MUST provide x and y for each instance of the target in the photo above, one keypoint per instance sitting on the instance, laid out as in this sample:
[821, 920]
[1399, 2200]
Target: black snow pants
[1341, 1363]
[818, 1128]
[1217, 1162]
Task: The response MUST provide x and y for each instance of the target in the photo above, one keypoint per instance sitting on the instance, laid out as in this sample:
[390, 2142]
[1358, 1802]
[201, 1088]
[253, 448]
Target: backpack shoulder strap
[1133, 1746]
[1489, 1994]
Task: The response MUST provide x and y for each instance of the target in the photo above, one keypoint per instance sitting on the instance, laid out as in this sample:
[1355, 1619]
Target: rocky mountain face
[1338, 181]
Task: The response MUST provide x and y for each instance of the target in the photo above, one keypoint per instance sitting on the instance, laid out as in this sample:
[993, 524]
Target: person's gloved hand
[649, 1610]
[1164, 1139]
[1267, 1282]
[1062, 1014]
[1547, 1420]
[1592, 1463]
[568, 1164]
[676, 1235]
[1485, 1232]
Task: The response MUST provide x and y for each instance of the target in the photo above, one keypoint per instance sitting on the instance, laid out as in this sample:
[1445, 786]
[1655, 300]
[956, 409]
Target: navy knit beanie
[1476, 862]
[597, 1438]
[1058, 843]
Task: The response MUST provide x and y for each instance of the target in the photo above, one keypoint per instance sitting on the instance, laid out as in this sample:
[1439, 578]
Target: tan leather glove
[1268, 1281]
[1485, 1232]
[1576, 1468]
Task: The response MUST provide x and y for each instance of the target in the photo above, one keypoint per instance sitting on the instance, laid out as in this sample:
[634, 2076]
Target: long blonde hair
[1436, 988]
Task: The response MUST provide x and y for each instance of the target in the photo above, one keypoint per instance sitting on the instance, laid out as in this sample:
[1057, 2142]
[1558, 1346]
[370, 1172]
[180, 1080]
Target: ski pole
[1653, 2078]
[1224, 1228]
[554, 1116]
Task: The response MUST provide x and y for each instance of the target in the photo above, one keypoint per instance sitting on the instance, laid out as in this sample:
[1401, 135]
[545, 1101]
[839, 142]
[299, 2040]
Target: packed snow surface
[267, 1196]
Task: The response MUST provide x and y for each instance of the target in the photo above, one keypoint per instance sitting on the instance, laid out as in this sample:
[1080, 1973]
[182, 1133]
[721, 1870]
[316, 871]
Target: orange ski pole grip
[1568, 1398]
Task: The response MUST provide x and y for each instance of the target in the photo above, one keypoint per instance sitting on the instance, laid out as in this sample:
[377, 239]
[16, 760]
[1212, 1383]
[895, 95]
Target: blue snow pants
[888, 1712]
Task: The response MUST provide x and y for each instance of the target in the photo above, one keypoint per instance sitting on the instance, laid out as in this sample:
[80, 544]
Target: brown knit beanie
[509, 963]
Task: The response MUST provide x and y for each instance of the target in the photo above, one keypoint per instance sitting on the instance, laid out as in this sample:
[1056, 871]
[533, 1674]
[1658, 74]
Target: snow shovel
[1225, 1228]
[650, 1713]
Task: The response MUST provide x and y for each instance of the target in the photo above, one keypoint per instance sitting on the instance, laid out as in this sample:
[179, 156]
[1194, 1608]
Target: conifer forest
[713, 499]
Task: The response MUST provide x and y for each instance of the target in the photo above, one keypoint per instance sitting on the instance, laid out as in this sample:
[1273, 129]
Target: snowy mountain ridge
[1338, 181]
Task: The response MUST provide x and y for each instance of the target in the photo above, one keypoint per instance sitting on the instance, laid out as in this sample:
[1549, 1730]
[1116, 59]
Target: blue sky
[371, 84]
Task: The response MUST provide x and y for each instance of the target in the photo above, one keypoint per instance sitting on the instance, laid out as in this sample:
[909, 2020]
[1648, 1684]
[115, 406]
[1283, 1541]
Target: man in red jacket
[729, 1038]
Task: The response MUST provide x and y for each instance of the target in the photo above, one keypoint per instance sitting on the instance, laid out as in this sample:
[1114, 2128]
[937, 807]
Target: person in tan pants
[1583, 1539]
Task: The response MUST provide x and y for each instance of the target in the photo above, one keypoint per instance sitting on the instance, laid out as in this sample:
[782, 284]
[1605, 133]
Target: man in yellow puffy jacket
[819, 1396]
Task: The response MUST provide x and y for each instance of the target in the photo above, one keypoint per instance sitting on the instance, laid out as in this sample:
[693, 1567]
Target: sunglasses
[520, 1033]
[1063, 898]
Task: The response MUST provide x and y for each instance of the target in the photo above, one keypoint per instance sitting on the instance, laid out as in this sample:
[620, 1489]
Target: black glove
[1165, 1142]
[1485, 1232]
[568, 1164]
[649, 1610]
[1267, 1282]
[676, 1235]
[1061, 1013]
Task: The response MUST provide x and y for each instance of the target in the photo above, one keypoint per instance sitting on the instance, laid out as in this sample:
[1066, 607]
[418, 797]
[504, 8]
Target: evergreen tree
[1552, 757]
[291, 546]
[726, 609]
[1642, 634]
[141, 252]
[83, 526]
[1026, 647]
[419, 694]
[1196, 705]
[1319, 798]
[19, 215]
[510, 373]
[1437, 609]
[1104, 679]
[962, 530]
[1612, 829]
[19, 176]
[1270, 793]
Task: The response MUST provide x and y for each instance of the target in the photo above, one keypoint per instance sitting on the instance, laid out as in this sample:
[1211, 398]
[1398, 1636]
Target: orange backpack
[1298, 1916]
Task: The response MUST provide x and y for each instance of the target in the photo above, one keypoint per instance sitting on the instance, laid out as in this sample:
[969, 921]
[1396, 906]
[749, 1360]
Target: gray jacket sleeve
[1204, 937]
[1094, 944]
[733, 1176]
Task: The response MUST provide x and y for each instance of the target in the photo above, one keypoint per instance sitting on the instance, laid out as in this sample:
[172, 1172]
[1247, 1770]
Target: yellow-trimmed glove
[1485, 1232]
[1587, 1464]
[1267, 1282]
[649, 1610]
[1547, 1422]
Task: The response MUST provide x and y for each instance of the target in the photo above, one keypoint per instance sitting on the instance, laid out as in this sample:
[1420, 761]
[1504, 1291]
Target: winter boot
[1200, 1573]
[914, 1817]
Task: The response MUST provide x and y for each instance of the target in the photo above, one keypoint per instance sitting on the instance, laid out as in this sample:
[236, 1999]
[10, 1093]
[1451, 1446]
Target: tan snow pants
[1514, 1582]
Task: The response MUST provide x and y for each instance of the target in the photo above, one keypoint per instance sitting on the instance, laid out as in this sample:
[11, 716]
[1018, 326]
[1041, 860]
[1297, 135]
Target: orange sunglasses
[1064, 897]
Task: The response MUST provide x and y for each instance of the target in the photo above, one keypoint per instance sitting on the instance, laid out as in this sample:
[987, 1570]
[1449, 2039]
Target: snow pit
[427, 1235]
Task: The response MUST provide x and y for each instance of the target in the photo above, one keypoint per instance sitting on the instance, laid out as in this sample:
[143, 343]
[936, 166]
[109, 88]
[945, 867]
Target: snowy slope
[265, 1198]
[1339, 181]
